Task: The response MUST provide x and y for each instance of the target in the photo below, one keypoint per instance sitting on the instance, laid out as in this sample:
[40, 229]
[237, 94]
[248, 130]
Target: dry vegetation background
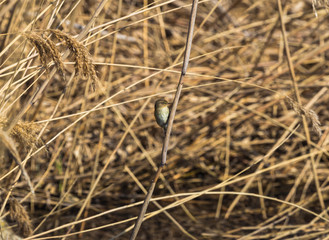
[77, 89]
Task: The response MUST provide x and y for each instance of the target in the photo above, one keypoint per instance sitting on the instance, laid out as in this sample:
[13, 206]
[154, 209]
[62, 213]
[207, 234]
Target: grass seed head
[21, 217]
[24, 133]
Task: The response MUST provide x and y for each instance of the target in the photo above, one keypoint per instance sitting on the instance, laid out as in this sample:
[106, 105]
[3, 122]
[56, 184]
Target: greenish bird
[161, 113]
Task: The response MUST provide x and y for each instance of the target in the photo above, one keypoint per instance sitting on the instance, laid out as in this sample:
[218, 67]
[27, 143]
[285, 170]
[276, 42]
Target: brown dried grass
[233, 113]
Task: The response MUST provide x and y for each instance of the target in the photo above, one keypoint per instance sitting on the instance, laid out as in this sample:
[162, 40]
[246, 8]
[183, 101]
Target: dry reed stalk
[170, 120]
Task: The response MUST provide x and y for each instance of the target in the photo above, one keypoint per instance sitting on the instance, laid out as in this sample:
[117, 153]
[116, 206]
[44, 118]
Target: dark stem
[170, 120]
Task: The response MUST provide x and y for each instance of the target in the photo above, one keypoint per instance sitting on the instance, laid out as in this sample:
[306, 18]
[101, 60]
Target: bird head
[160, 103]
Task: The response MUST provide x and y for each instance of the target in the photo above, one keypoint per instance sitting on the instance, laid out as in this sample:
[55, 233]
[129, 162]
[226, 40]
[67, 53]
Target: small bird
[161, 113]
